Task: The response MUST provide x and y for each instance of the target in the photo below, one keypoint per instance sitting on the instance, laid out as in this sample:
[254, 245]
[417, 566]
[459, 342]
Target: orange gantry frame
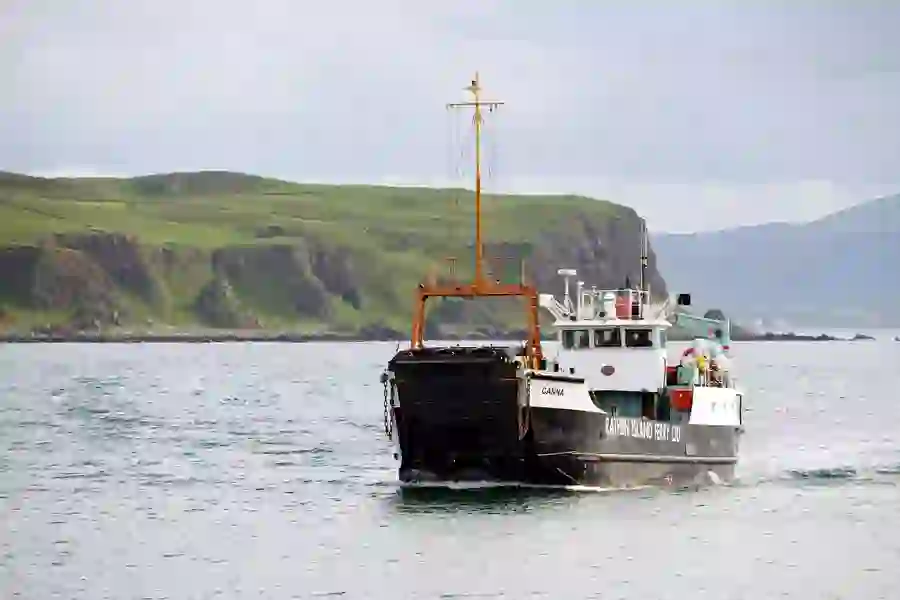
[480, 287]
[482, 290]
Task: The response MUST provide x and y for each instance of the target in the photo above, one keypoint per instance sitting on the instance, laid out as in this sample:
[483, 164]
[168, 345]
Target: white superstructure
[617, 341]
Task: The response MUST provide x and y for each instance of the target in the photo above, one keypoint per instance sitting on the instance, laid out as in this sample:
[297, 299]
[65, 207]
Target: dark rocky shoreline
[375, 334]
[795, 337]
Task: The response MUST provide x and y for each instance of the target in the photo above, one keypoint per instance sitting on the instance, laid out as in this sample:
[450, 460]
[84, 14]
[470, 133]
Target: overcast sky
[705, 116]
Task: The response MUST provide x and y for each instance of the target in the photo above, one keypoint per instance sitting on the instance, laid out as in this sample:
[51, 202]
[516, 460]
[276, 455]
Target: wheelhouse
[612, 336]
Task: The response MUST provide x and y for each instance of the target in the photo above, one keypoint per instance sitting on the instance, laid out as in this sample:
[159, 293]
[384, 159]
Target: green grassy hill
[227, 250]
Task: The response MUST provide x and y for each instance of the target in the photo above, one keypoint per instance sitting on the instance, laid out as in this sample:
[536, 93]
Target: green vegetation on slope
[230, 250]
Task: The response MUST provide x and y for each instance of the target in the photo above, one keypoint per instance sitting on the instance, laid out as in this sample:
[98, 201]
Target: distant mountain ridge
[839, 270]
[877, 216]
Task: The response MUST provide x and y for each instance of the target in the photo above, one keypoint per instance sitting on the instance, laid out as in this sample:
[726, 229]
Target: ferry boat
[612, 408]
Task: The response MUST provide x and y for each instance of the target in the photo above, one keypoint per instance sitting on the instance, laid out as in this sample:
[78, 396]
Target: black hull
[458, 419]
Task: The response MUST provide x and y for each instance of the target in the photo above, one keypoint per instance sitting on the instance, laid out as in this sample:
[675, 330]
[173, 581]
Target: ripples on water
[261, 471]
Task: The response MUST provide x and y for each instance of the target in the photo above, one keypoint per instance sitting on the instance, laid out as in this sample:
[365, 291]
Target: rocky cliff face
[97, 280]
[84, 279]
[605, 254]
[120, 258]
[302, 280]
[93, 279]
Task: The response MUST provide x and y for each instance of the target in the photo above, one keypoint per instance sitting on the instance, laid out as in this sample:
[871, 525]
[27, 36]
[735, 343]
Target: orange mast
[477, 103]
[480, 287]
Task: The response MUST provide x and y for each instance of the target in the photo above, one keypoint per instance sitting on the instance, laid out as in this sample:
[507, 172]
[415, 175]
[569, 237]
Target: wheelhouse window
[638, 338]
[575, 338]
[607, 337]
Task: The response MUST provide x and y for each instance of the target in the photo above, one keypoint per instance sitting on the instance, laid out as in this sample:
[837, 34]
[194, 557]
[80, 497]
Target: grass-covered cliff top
[214, 209]
[231, 250]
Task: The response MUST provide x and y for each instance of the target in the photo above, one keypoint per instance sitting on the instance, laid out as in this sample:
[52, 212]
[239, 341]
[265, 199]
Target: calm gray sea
[261, 471]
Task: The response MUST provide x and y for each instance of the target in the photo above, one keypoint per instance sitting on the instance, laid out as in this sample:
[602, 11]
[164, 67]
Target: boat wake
[888, 473]
[879, 474]
[705, 479]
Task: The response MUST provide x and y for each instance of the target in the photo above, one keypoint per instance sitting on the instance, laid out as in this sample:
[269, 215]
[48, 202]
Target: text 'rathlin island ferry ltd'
[611, 410]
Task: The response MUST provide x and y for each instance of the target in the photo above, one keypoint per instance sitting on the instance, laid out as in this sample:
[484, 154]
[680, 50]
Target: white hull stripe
[652, 458]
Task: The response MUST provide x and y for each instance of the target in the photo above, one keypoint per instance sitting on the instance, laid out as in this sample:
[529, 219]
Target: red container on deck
[622, 311]
[671, 375]
[682, 398]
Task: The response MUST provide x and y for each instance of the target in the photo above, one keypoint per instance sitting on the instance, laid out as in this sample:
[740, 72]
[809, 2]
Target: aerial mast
[477, 103]
[645, 250]
[480, 287]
